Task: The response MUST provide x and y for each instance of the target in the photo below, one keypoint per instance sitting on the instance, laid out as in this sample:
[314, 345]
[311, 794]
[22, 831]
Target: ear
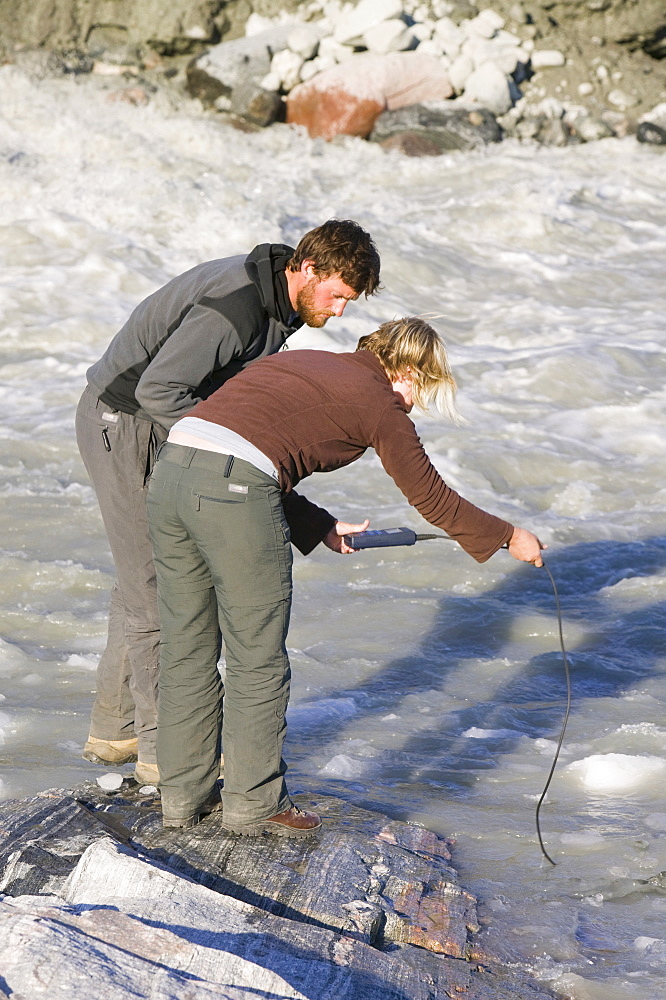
[308, 269]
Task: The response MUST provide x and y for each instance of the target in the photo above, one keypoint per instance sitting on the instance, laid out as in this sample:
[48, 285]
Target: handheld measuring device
[379, 538]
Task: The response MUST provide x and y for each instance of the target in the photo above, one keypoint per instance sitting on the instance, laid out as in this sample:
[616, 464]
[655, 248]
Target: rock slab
[100, 900]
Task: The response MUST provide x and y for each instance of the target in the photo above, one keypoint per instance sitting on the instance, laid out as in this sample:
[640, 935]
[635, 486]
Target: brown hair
[411, 346]
[340, 247]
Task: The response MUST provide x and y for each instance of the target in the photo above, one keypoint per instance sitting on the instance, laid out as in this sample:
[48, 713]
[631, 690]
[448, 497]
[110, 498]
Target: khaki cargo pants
[223, 562]
[118, 451]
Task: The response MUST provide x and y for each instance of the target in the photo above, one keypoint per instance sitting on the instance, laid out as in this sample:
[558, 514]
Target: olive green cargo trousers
[223, 561]
[118, 451]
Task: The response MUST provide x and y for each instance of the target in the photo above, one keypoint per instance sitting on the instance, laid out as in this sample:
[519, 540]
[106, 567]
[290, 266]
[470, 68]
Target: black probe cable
[407, 537]
[423, 538]
[566, 714]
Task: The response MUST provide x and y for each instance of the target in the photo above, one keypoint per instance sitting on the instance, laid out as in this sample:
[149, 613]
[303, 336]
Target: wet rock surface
[96, 891]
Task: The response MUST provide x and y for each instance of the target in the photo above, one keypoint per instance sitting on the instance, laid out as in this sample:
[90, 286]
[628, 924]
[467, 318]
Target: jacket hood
[265, 266]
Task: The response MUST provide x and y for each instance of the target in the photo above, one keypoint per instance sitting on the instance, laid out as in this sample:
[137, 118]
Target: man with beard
[178, 346]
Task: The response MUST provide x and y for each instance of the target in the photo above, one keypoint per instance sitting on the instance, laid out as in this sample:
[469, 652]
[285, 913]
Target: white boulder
[423, 30]
[484, 25]
[621, 99]
[480, 50]
[314, 66]
[365, 15]
[333, 51]
[508, 57]
[304, 40]
[272, 82]
[256, 24]
[432, 47]
[507, 38]
[389, 36]
[450, 36]
[286, 66]
[460, 71]
[489, 86]
[657, 115]
[547, 58]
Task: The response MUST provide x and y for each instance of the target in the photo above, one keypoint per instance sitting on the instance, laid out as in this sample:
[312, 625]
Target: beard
[305, 305]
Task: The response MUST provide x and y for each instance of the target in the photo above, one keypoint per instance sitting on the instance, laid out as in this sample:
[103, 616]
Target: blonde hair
[411, 346]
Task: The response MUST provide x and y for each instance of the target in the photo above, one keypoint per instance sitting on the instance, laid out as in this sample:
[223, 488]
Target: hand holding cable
[526, 547]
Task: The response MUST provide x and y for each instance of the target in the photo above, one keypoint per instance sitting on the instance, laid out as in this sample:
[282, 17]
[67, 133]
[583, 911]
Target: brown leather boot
[293, 822]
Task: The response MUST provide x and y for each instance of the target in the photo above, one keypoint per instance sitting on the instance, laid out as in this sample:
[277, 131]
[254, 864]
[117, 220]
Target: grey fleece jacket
[187, 338]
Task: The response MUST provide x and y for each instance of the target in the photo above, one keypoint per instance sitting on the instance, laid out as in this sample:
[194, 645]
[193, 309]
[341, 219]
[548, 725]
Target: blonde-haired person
[223, 512]
[411, 347]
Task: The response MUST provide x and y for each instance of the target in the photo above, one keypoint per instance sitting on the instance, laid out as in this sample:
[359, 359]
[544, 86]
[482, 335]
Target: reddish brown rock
[335, 111]
[348, 98]
[436, 915]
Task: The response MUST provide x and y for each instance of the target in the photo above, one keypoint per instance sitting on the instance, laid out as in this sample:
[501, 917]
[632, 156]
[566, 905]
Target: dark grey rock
[435, 127]
[651, 133]
[254, 104]
[228, 76]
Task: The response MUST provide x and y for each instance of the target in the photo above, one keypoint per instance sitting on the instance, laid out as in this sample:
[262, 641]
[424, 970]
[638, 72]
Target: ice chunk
[342, 766]
[643, 943]
[614, 773]
[110, 782]
[89, 661]
[656, 821]
[586, 838]
[474, 733]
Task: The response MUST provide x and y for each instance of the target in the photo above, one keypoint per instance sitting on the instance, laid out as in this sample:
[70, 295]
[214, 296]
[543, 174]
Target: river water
[425, 685]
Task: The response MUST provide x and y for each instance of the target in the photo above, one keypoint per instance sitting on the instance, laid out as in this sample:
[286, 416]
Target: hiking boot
[293, 822]
[146, 774]
[149, 774]
[186, 820]
[110, 751]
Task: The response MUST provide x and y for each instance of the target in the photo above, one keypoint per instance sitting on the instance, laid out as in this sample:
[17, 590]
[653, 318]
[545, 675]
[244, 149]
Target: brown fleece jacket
[314, 411]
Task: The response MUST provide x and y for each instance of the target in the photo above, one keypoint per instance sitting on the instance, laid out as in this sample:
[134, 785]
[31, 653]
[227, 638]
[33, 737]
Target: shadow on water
[618, 650]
